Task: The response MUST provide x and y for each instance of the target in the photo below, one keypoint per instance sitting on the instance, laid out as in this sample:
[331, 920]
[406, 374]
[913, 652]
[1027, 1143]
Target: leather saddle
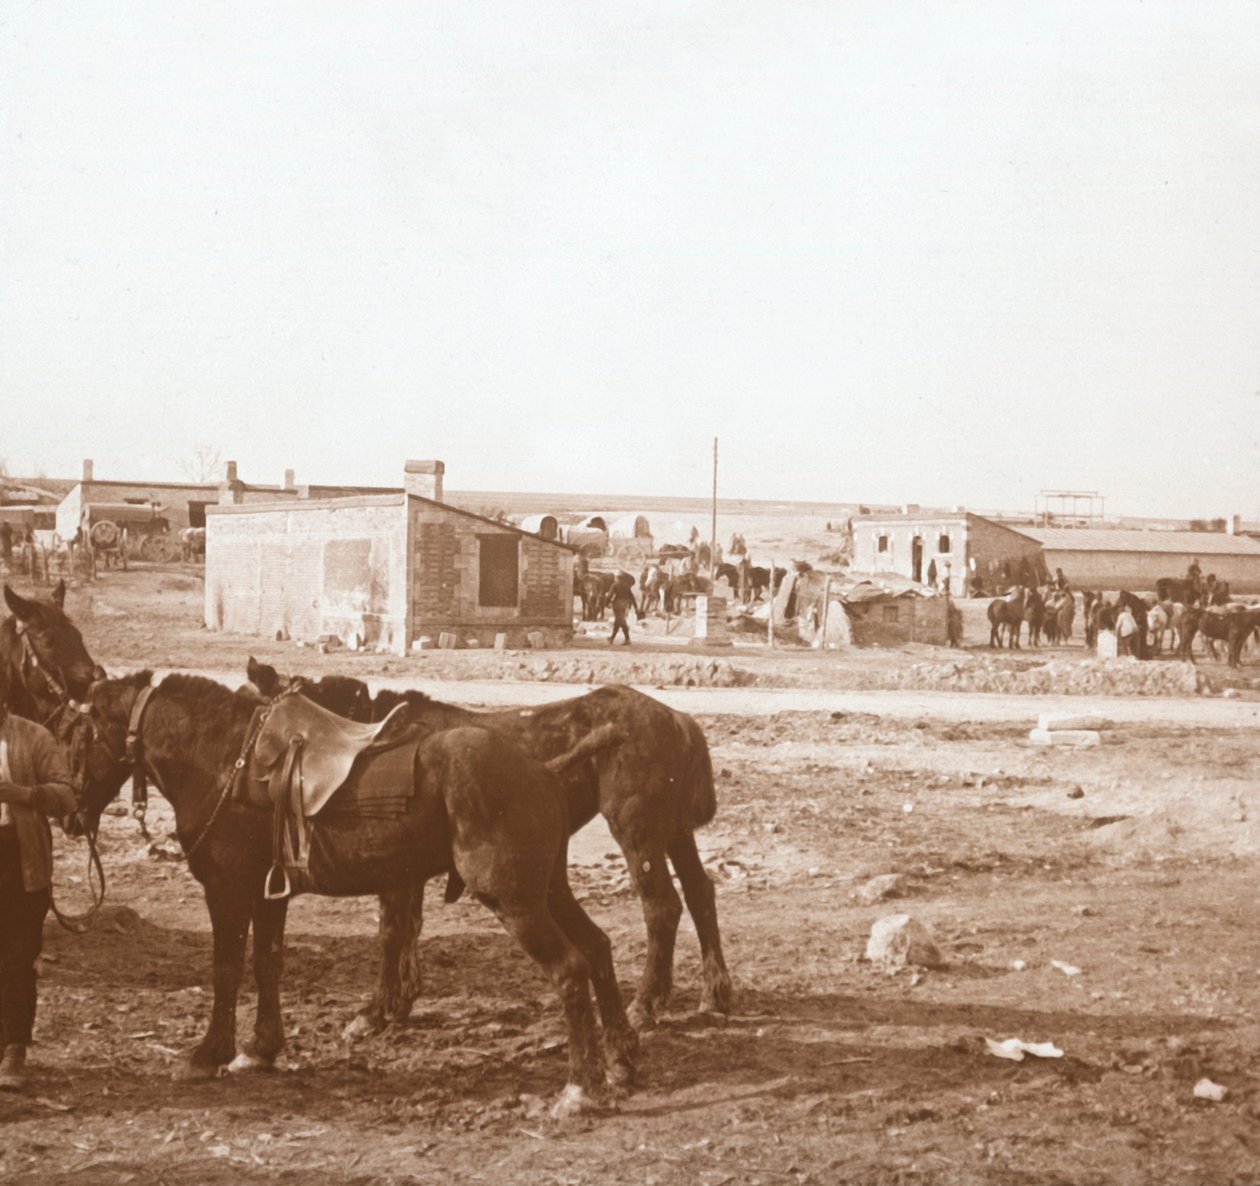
[329, 744]
[305, 754]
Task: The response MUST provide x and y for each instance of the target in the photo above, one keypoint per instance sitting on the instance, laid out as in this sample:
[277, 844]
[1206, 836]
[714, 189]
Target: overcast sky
[944, 253]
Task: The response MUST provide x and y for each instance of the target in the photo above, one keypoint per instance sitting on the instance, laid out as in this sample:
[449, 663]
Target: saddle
[305, 755]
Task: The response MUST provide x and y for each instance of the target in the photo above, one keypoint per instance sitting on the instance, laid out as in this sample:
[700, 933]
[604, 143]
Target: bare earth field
[1132, 863]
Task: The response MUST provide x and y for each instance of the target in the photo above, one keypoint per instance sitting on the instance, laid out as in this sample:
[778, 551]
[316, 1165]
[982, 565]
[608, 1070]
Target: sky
[945, 253]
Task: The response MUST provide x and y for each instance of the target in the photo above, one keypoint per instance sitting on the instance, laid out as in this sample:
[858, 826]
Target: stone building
[383, 570]
[958, 544]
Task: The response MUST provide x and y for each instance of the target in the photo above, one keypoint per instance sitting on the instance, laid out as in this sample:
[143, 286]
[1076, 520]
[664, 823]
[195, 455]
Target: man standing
[622, 603]
[34, 785]
[1126, 631]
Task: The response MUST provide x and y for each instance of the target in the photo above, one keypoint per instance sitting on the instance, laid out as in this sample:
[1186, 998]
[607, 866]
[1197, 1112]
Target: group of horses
[1048, 613]
[666, 584]
[1164, 623]
[486, 800]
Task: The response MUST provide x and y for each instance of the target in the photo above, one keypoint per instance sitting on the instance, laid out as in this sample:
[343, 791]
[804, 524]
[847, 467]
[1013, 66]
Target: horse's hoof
[197, 1072]
[573, 1101]
[641, 1016]
[360, 1026]
[250, 1064]
[621, 1072]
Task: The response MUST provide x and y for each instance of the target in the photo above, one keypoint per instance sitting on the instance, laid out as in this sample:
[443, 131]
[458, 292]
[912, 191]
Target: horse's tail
[595, 742]
[698, 775]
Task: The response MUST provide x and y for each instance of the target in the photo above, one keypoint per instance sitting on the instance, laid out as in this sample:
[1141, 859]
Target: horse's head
[96, 736]
[48, 649]
[266, 678]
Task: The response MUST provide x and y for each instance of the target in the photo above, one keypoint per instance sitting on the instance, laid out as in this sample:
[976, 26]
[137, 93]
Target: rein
[142, 769]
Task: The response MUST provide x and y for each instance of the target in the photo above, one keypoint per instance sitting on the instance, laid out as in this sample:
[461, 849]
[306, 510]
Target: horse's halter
[31, 664]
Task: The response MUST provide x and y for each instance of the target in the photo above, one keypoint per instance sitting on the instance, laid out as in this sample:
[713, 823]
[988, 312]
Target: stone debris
[1205, 1089]
[886, 885]
[897, 940]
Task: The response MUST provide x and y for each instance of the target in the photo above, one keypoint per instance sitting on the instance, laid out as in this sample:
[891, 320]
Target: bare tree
[204, 466]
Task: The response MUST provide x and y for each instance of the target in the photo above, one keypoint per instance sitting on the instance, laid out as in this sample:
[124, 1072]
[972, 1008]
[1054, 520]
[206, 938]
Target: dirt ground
[1100, 899]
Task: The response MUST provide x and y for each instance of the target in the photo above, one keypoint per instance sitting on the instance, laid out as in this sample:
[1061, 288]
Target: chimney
[1235, 525]
[87, 469]
[289, 477]
[231, 489]
[423, 479]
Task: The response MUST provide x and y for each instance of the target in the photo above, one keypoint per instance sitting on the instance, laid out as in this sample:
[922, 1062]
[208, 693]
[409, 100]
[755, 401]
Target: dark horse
[476, 807]
[1008, 613]
[43, 662]
[654, 789]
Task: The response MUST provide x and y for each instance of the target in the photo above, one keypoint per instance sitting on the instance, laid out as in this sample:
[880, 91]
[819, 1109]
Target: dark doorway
[916, 558]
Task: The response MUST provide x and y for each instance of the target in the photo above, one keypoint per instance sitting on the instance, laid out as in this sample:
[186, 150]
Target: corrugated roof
[1185, 543]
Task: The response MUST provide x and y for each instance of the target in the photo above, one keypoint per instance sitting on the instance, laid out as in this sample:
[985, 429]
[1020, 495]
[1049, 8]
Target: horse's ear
[19, 606]
[59, 594]
[251, 669]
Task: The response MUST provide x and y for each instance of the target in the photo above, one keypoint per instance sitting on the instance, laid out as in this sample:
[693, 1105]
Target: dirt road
[1102, 900]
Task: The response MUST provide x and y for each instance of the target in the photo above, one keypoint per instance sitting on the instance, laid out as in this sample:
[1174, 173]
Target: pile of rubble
[1060, 677]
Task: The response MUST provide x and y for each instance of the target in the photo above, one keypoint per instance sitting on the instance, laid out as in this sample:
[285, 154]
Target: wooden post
[713, 529]
[826, 607]
[770, 603]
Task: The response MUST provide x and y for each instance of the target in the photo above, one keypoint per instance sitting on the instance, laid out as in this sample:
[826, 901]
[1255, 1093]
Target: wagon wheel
[165, 549]
[104, 534]
[632, 552]
[148, 547]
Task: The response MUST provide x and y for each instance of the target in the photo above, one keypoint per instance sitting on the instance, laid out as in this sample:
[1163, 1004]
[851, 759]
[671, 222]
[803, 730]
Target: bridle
[31, 665]
[134, 758]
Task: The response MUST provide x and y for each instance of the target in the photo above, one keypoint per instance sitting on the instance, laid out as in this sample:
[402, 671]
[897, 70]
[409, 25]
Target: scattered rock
[897, 940]
[886, 885]
[1076, 792]
[1205, 1089]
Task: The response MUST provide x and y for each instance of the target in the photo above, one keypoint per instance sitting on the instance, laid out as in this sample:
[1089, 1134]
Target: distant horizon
[594, 501]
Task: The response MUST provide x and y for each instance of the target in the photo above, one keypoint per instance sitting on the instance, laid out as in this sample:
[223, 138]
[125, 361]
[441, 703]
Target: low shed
[838, 609]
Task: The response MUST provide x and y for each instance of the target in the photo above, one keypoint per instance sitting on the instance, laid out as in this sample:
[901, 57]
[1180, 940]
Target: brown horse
[475, 807]
[655, 789]
[43, 662]
[1006, 612]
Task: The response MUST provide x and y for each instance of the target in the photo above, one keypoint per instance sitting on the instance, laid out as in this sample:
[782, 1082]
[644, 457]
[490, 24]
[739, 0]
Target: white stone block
[1069, 720]
[1078, 738]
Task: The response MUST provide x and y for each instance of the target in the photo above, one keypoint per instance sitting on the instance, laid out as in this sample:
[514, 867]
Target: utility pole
[713, 530]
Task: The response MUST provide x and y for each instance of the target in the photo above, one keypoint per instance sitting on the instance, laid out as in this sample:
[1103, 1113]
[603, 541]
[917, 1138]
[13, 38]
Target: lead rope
[78, 923]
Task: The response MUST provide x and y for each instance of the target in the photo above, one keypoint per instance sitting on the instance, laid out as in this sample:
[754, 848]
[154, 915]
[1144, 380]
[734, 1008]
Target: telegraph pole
[713, 530]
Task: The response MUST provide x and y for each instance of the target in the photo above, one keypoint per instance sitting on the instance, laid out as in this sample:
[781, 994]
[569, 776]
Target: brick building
[382, 569]
[960, 543]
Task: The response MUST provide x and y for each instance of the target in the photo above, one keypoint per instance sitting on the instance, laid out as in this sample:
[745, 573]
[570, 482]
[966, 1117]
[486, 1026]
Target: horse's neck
[190, 760]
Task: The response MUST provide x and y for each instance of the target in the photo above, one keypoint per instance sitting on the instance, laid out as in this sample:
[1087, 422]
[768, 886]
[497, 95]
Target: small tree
[204, 466]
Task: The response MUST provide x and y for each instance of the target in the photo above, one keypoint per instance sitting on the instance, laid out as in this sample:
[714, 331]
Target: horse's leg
[268, 1041]
[398, 981]
[645, 858]
[701, 901]
[621, 1042]
[229, 920]
[533, 927]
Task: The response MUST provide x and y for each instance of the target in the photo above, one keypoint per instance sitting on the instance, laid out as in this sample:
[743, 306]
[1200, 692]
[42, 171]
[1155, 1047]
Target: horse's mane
[204, 694]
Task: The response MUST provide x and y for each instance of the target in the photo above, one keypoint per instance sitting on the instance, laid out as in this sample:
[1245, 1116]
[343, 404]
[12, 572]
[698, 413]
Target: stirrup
[285, 887]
